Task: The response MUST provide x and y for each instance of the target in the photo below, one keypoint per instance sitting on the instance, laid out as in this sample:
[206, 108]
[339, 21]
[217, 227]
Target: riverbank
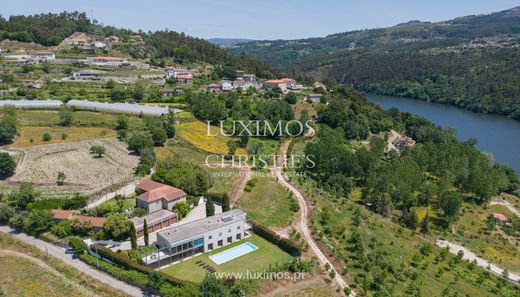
[494, 134]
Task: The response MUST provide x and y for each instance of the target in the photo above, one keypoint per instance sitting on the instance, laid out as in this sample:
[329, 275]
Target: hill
[225, 42]
[471, 62]
[160, 47]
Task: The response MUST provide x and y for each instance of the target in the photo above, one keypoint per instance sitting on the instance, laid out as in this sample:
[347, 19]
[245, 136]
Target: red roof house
[157, 196]
[59, 214]
[499, 217]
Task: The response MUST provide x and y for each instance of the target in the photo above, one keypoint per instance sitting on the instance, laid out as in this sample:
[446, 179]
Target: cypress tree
[145, 232]
[210, 208]
[225, 202]
[133, 236]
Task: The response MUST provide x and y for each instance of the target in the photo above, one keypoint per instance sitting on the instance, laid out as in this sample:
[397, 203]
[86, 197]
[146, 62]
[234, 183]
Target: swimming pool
[233, 253]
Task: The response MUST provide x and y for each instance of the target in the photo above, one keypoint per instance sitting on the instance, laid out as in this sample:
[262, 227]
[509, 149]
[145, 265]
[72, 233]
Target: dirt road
[304, 218]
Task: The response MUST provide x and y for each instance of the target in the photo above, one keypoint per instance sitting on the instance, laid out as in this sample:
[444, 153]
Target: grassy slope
[267, 254]
[41, 283]
[268, 203]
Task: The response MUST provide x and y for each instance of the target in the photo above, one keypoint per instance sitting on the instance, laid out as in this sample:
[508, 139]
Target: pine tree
[145, 232]
[210, 208]
[225, 202]
[424, 224]
[133, 236]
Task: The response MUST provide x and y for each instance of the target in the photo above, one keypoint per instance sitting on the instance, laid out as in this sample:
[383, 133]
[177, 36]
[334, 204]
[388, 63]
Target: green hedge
[77, 245]
[287, 245]
[126, 262]
[67, 203]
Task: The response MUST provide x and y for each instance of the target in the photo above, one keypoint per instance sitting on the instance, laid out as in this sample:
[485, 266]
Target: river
[495, 134]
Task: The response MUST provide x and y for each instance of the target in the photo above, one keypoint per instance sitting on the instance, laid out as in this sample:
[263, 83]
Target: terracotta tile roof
[60, 214]
[156, 191]
[499, 216]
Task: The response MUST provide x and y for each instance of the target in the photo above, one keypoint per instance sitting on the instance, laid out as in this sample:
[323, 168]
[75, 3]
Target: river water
[495, 134]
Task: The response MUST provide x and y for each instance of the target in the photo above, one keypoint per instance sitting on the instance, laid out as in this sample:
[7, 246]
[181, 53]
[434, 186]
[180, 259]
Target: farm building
[59, 214]
[156, 196]
[155, 221]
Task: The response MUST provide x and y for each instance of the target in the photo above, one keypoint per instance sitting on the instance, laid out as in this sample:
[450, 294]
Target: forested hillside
[471, 62]
[50, 29]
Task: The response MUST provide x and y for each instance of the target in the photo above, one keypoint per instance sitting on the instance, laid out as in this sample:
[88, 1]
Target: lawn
[223, 179]
[259, 260]
[268, 203]
[20, 277]
[32, 135]
[196, 133]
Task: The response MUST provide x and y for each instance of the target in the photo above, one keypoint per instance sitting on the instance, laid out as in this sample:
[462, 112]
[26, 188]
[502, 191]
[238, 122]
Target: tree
[210, 208]
[225, 202]
[117, 227]
[291, 98]
[133, 236]
[97, 150]
[232, 147]
[6, 212]
[159, 136]
[25, 195]
[38, 222]
[138, 92]
[122, 123]
[139, 141]
[425, 224]
[213, 287]
[46, 137]
[145, 232]
[66, 116]
[60, 179]
[450, 203]
[244, 139]
[8, 125]
[7, 165]
[182, 209]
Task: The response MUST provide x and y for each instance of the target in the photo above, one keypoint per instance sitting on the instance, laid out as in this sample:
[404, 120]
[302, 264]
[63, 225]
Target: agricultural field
[84, 173]
[32, 135]
[79, 119]
[41, 275]
[268, 203]
[267, 254]
[195, 132]
[302, 105]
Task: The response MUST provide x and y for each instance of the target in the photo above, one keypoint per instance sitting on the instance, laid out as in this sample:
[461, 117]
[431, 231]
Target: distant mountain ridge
[227, 41]
[471, 62]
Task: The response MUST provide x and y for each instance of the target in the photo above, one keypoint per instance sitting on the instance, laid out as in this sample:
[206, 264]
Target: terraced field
[195, 132]
[84, 173]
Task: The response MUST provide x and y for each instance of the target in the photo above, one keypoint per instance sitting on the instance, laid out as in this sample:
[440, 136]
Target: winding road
[304, 217]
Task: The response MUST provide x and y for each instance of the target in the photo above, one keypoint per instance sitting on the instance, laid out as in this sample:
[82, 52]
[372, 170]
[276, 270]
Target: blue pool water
[233, 253]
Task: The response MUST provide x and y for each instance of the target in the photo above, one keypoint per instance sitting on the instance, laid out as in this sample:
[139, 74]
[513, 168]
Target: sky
[264, 19]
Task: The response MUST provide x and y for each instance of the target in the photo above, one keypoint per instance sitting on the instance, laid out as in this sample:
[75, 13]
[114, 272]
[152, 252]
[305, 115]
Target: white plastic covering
[24, 103]
[132, 108]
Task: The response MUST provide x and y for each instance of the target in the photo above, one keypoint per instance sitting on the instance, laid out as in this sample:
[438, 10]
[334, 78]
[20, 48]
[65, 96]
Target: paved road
[469, 255]
[304, 228]
[76, 263]
[42, 264]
